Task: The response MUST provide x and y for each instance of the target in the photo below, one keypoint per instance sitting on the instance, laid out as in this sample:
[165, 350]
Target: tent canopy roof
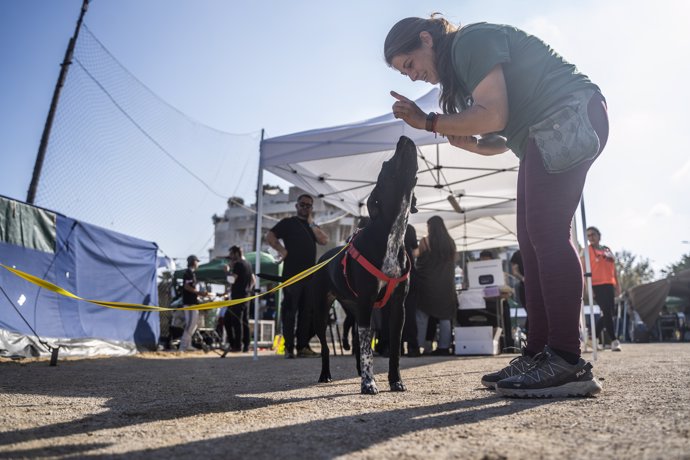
[340, 164]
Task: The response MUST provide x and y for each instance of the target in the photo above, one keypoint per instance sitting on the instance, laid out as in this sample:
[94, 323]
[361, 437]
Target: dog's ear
[413, 206]
[373, 204]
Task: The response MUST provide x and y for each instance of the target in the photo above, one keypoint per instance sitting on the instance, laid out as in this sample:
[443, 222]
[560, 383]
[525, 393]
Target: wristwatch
[314, 224]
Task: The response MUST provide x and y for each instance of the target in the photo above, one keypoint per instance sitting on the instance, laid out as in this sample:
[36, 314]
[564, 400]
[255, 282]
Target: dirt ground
[168, 405]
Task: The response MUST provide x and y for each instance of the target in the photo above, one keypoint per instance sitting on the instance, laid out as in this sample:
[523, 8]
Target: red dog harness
[391, 283]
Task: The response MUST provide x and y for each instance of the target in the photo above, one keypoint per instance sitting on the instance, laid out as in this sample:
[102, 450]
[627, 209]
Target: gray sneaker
[516, 366]
[551, 377]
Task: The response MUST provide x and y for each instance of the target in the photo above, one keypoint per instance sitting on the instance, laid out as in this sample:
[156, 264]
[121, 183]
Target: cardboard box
[471, 299]
[479, 340]
[484, 273]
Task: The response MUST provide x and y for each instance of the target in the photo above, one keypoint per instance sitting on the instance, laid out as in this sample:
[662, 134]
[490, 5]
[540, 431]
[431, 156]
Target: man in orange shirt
[604, 283]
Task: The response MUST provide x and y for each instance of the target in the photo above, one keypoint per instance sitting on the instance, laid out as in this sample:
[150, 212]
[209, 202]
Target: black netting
[122, 158]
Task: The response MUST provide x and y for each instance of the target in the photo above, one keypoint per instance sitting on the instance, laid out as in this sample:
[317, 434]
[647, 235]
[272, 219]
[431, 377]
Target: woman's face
[419, 64]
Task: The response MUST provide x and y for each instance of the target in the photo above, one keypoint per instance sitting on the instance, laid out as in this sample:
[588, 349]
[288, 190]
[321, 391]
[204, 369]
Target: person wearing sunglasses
[295, 239]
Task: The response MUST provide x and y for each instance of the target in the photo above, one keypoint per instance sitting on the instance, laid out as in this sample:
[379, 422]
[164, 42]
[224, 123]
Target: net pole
[45, 137]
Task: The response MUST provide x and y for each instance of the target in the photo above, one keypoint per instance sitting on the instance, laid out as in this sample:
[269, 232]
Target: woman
[604, 284]
[435, 281]
[499, 79]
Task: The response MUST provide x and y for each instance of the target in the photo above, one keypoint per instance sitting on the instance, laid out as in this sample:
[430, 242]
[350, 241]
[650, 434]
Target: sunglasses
[305, 205]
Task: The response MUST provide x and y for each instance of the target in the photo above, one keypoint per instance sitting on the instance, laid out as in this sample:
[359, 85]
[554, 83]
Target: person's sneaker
[307, 352]
[616, 345]
[289, 355]
[516, 366]
[551, 377]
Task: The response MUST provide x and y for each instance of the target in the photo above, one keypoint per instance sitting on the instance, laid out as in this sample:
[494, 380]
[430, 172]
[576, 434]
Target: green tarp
[26, 226]
[214, 271]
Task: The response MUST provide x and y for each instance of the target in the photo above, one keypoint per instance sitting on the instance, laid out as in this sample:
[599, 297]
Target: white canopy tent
[340, 165]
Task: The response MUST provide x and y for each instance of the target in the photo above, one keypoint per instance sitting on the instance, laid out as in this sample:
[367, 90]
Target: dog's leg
[355, 347]
[397, 318]
[367, 361]
[325, 376]
[321, 303]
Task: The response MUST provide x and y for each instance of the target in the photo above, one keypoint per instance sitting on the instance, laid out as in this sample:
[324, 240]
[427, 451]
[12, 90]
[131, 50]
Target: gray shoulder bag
[566, 138]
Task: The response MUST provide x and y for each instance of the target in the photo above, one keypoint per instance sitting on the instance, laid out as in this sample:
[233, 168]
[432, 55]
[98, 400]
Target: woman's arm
[488, 114]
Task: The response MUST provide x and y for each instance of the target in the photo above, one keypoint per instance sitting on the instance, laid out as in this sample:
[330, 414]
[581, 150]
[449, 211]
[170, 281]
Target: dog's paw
[398, 386]
[325, 378]
[369, 388]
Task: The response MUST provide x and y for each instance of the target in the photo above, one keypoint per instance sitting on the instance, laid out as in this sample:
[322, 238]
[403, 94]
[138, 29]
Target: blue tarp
[89, 261]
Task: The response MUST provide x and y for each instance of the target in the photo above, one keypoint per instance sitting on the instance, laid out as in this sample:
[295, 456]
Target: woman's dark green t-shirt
[537, 78]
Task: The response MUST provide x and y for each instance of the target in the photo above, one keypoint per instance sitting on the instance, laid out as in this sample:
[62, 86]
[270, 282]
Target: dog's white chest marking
[390, 266]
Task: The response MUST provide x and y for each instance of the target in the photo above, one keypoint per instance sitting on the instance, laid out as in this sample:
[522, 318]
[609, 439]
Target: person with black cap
[240, 277]
[190, 297]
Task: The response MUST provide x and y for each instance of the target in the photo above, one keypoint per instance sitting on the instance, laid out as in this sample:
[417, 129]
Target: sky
[291, 66]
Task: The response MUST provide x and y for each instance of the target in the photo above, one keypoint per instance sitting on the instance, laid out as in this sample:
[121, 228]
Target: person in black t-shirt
[241, 279]
[190, 297]
[298, 252]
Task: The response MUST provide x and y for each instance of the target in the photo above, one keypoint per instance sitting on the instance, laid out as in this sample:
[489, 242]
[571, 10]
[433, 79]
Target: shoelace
[516, 363]
[539, 361]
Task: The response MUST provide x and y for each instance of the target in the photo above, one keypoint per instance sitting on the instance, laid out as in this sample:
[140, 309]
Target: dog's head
[395, 183]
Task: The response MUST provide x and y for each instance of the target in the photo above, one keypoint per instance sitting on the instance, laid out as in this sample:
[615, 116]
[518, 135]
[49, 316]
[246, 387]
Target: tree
[235, 201]
[632, 270]
[674, 269]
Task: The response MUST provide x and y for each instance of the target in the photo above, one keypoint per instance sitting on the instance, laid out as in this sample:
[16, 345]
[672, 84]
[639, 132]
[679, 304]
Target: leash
[140, 307]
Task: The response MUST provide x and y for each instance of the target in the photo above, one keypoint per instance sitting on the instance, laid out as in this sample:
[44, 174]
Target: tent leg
[257, 244]
[588, 278]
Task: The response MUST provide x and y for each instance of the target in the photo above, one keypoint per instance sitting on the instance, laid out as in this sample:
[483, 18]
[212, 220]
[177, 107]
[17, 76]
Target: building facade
[237, 225]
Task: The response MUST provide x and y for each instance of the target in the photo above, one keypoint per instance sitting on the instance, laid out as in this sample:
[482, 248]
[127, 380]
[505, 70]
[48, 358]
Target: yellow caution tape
[140, 307]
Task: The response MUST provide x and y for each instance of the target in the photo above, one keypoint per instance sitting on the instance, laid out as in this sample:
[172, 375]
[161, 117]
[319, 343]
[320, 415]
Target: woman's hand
[408, 111]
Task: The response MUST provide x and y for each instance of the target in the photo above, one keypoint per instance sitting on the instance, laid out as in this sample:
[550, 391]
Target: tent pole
[583, 320]
[626, 333]
[257, 243]
[588, 277]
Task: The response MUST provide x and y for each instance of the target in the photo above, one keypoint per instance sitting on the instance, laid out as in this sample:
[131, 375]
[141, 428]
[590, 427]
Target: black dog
[372, 270]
